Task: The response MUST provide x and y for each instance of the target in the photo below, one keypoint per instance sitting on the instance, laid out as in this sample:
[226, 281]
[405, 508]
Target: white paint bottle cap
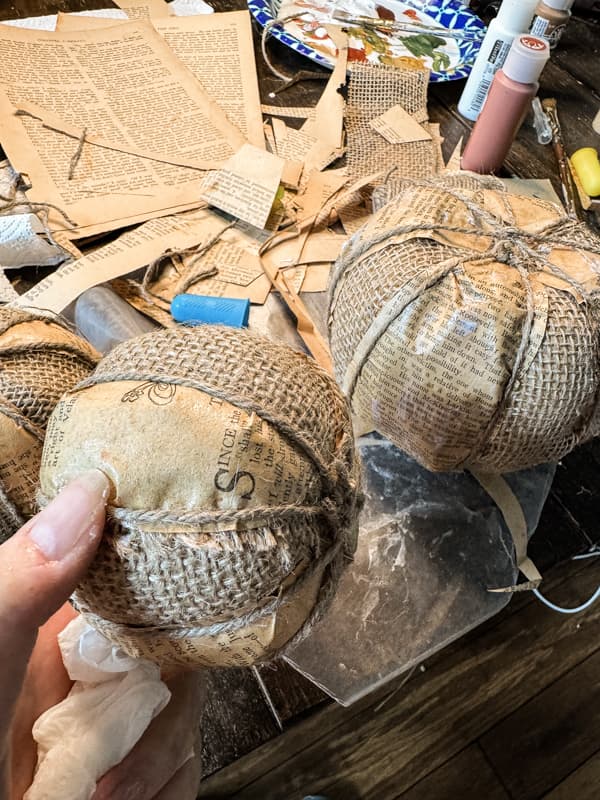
[526, 59]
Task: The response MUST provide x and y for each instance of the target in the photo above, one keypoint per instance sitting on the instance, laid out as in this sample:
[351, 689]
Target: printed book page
[157, 129]
[218, 51]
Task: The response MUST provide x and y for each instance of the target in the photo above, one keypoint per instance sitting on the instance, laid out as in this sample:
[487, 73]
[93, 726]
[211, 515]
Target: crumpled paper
[23, 244]
[111, 704]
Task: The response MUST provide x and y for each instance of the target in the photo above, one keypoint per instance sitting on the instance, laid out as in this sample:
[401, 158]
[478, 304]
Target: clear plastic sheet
[430, 546]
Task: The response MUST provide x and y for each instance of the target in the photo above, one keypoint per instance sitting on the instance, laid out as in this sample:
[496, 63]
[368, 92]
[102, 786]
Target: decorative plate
[448, 58]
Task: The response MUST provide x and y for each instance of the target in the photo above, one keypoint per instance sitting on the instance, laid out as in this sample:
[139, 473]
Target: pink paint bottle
[509, 99]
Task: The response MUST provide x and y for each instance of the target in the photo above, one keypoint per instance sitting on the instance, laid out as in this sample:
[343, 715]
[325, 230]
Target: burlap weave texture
[372, 90]
[477, 341]
[39, 360]
[236, 493]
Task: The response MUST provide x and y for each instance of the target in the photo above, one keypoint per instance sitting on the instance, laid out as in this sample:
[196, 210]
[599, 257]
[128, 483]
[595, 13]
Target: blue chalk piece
[194, 309]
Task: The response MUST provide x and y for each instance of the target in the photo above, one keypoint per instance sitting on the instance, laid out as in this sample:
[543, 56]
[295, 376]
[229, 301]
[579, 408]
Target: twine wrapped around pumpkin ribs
[464, 326]
[236, 493]
[39, 360]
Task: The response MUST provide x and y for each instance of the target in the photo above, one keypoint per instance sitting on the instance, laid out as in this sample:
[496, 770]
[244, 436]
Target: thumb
[39, 568]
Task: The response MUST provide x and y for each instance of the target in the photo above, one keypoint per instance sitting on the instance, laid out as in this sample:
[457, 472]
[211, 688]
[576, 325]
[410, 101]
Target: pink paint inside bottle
[507, 104]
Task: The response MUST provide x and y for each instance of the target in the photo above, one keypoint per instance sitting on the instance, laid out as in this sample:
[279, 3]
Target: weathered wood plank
[236, 718]
[553, 734]
[37, 8]
[468, 776]
[384, 752]
[290, 692]
[583, 784]
[579, 52]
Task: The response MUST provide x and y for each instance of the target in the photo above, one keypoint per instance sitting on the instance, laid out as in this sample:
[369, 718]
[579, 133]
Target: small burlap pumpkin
[235, 493]
[39, 360]
[464, 326]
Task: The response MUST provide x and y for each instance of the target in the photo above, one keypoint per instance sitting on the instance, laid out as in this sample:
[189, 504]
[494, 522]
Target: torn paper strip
[131, 251]
[23, 243]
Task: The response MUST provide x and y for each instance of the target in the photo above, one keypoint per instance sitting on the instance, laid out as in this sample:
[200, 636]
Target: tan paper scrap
[316, 278]
[144, 9]
[328, 123]
[125, 85]
[320, 187]
[131, 291]
[131, 251]
[231, 267]
[246, 185]
[397, 126]
[289, 112]
[218, 51]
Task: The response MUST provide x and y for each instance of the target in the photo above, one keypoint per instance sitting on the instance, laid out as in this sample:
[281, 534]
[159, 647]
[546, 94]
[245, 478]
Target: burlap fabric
[372, 90]
[464, 326]
[171, 581]
[39, 360]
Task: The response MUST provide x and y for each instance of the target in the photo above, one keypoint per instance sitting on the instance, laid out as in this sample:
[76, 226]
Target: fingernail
[58, 528]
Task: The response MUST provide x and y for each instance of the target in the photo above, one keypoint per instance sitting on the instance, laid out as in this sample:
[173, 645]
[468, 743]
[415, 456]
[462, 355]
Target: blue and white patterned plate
[447, 58]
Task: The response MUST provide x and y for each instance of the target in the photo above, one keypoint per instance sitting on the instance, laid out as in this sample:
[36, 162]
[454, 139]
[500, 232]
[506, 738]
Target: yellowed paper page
[125, 85]
[328, 123]
[131, 251]
[320, 246]
[321, 186]
[218, 51]
[397, 126]
[246, 186]
[257, 291]
[353, 216]
[289, 112]
[453, 163]
[144, 9]
[317, 277]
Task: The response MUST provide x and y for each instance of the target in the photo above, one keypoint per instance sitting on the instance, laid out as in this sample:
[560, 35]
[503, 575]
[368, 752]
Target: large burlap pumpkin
[39, 360]
[235, 493]
[464, 326]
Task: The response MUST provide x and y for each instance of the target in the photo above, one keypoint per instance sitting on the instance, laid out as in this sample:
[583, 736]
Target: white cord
[592, 552]
[576, 610]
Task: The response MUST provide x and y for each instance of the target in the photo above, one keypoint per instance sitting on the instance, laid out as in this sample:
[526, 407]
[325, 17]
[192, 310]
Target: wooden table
[248, 707]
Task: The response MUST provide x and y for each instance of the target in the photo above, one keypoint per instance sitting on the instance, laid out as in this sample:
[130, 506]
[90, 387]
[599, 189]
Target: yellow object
[587, 166]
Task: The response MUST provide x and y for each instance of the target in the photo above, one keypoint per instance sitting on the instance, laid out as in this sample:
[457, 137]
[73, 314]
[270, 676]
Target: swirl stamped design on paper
[161, 394]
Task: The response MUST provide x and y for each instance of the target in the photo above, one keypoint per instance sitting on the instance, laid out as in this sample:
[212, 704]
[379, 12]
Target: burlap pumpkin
[39, 360]
[236, 487]
[464, 326]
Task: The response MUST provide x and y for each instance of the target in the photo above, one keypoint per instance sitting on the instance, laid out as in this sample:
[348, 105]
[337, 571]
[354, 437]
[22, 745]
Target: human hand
[38, 571]
[39, 568]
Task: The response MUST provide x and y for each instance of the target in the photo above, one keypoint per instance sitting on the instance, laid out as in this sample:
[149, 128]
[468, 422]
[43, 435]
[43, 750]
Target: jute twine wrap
[39, 360]
[171, 574]
[412, 282]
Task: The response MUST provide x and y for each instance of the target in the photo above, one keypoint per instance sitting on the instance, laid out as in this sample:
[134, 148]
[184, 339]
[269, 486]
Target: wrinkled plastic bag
[111, 704]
